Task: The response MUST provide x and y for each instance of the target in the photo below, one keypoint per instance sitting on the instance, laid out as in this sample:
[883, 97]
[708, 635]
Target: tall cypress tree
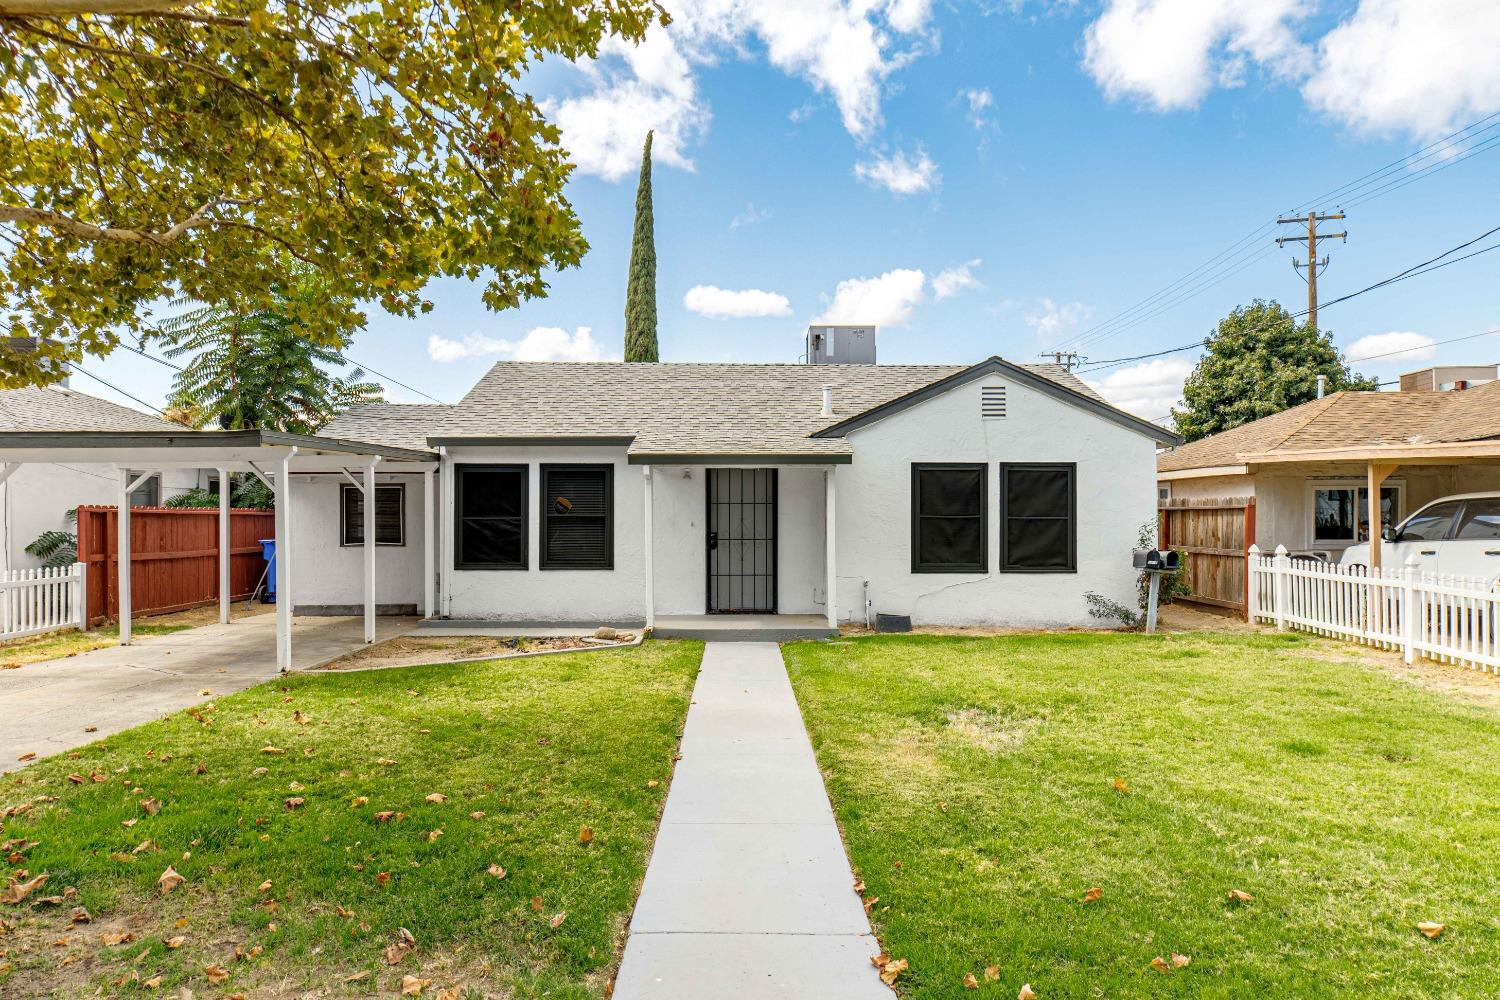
[640, 292]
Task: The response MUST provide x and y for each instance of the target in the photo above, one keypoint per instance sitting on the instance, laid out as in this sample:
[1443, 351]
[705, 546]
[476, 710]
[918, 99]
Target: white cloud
[1413, 347]
[1149, 389]
[541, 343]
[979, 101]
[884, 300]
[1170, 53]
[723, 303]
[1422, 66]
[1053, 319]
[899, 173]
[955, 280]
[845, 49]
[749, 217]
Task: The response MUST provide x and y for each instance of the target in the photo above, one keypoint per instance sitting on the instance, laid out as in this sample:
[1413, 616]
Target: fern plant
[252, 493]
[258, 368]
[55, 547]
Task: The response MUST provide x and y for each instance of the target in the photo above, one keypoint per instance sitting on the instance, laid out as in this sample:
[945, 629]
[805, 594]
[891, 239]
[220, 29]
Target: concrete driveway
[49, 706]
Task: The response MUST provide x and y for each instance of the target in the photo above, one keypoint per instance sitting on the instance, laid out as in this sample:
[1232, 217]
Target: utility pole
[1064, 359]
[1314, 265]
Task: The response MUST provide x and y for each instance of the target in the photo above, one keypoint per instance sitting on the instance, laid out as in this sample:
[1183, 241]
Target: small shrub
[1104, 609]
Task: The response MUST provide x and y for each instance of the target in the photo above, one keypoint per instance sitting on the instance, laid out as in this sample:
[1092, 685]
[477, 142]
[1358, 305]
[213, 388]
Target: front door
[741, 541]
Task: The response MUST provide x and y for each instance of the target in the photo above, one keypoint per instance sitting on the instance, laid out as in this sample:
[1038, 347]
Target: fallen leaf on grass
[536, 903]
[113, 939]
[383, 877]
[496, 871]
[411, 986]
[385, 762]
[175, 942]
[652, 783]
[558, 918]
[264, 886]
[1160, 964]
[870, 901]
[79, 915]
[1093, 895]
[294, 802]
[77, 779]
[452, 993]
[152, 983]
[272, 750]
[1027, 993]
[971, 982]
[385, 817]
[477, 814]
[891, 969]
[216, 973]
[357, 977]
[1240, 896]
[433, 835]
[1121, 786]
[169, 879]
[28, 755]
[992, 972]
[1181, 961]
[437, 798]
[17, 891]
[1431, 929]
[359, 800]
[585, 835]
[859, 885]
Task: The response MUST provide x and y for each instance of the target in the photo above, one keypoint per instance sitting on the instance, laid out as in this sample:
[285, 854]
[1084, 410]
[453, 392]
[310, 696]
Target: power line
[1424, 347]
[75, 366]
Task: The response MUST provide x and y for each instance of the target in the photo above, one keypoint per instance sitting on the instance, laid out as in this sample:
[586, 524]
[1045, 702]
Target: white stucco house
[37, 496]
[994, 494]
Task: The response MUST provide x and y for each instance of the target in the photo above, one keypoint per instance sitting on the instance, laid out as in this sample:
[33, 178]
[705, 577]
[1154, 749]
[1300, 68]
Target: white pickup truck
[1457, 535]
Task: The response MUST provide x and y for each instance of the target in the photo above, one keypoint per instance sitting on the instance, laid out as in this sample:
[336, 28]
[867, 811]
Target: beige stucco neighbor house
[1310, 471]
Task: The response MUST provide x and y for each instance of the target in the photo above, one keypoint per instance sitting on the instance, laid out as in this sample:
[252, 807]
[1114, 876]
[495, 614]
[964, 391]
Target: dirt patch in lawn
[411, 650]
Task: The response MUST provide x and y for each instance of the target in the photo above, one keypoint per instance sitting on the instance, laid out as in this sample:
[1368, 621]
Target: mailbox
[1157, 561]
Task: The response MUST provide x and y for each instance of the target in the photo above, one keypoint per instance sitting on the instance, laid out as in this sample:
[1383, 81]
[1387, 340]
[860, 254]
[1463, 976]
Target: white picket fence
[45, 599]
[1451, 619]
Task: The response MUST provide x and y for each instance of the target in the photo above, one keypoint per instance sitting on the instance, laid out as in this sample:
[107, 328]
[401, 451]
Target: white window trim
[344, 543]
[1311, 497]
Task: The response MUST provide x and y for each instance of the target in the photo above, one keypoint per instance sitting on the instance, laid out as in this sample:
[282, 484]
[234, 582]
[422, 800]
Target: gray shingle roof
[671, 408]
[54, 408]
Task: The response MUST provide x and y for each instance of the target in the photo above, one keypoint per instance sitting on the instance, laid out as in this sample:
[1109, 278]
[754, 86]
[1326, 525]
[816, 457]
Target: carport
[271, 456]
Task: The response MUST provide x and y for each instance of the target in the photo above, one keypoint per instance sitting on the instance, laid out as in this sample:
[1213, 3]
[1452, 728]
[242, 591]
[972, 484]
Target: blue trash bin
[268, 550]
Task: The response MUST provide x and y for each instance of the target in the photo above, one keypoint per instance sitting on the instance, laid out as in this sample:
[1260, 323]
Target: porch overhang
[1207, 472]
[744, 460]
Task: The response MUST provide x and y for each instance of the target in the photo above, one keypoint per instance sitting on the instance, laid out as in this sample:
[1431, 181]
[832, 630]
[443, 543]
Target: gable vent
[992, 402]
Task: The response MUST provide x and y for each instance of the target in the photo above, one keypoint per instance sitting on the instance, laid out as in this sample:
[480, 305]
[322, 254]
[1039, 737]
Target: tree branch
[108, 234]
[71, 8]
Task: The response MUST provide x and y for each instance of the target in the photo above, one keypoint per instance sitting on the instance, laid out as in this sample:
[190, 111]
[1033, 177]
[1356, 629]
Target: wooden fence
[174, 557]
[41, 599]
[1214, 537]
[1450, 619]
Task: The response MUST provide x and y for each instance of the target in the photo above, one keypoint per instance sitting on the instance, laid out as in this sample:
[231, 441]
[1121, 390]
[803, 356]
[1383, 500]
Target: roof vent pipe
[1322, 385]
[828, 401]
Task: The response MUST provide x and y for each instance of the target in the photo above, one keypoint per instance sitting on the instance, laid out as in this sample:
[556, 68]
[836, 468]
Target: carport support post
[224, 554]
[830, 507]
[429, 557]
[647, 526]
[369, 509]
[284, 562]
[1377, 475]
[122, 556]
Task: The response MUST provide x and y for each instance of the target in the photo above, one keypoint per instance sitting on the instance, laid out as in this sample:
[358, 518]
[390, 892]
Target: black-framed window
[390, 515]
[489, 509]
[578, 503]
[949, 518]
[1038, 517]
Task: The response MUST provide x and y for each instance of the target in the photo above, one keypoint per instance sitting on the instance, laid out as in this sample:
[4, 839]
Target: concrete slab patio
[49, 704]
[748, 894]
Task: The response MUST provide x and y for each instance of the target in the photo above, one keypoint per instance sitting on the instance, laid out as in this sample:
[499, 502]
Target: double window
[950, 518]
[390, 515]
[492, 509]
[1341, 511]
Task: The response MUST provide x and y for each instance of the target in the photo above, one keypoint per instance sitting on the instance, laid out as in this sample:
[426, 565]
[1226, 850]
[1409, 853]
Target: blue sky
[998, 178]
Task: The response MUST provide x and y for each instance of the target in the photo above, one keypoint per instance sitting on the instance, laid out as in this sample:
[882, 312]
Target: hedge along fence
[174, 557]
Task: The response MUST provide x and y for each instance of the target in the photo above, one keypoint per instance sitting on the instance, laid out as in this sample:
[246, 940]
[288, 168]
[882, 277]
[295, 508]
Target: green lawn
[526, 752]
[975, 782]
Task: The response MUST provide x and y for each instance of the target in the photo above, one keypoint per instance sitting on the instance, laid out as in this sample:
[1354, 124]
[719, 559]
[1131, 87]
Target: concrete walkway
[749, 894]
[48, 705]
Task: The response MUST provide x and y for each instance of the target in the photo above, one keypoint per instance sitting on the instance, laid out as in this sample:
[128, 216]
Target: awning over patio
[271, 456]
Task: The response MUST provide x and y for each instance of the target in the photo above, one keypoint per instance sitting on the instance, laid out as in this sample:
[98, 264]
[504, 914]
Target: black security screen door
[742, 541]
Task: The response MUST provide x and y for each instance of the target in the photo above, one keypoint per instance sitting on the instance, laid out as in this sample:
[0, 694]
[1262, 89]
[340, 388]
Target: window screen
[577, 509]
[390, 520]
[1038, 533]
[490, 504]
[1430, 524]
[1481, 520]
[949, 529]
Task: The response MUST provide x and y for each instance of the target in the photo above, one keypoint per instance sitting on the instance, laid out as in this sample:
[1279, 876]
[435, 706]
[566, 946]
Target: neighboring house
[37, 496]
[994, 494]
[1309, 469]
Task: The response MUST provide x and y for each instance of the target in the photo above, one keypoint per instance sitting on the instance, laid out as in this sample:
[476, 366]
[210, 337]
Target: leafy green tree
[1260, 361]
[260, 369]
[640, 292]
[157, 149]
[250, 492]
